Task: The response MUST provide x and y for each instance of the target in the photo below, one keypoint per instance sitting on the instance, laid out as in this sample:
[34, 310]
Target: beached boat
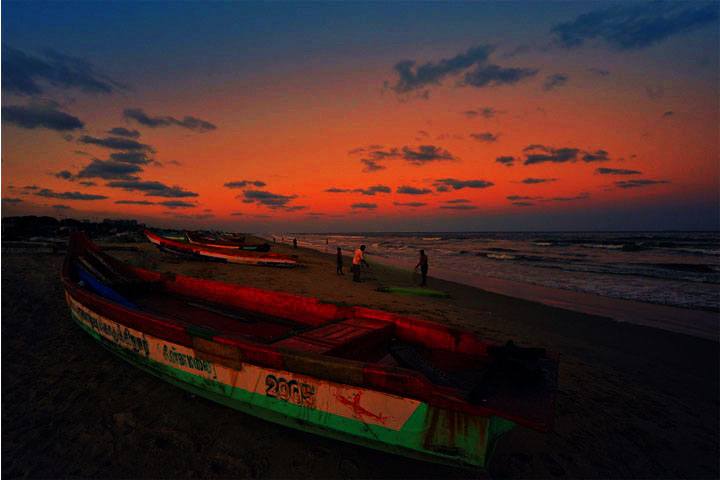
[229, 243]
[373, 378]
[221, 254]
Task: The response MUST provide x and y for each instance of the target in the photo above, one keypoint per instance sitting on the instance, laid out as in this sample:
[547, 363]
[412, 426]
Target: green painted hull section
[418, 291]
[409, 441]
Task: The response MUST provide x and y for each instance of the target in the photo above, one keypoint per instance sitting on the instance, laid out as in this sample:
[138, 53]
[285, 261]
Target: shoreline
[698, 323]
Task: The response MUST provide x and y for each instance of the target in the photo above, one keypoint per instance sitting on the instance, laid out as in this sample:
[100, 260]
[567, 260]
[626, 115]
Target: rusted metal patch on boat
[455, 433]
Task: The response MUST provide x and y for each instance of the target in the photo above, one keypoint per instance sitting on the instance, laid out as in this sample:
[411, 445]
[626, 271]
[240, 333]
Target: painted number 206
[290, 391]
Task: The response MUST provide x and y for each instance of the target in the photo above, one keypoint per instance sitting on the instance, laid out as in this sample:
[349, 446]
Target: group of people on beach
[359, 261]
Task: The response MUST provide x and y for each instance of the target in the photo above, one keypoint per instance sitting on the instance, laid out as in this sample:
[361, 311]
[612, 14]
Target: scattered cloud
[458, 200]
[444, 184]
[115, 143]
[515, 198]
[373, 190]
[459, 207]
[40, 116]
[506, 160]
[554, 81]
[137, 158]
[523, 204]
[65, 175]
[485, 112]
[268, 199]
[237, 214]
[367, 206]
[110, 170]
[600, 72]
[408, 190]
[12, 200]
[176, 204]
[86, 183]
[535, 181]
[596, 156]
[371, 165]
[486, 137]
[47, 193]
[616, 171]
[151, 188]
[62, 207]
[409, 204]
[635, 25]
[536, 153]
[134, 202]
[244, 183]
[124, 132]
[639, 183]
[27, 74]
[668, 114]
[189, 122]
[195, 216]
[495, 75]
[581, 196]
[426, 153]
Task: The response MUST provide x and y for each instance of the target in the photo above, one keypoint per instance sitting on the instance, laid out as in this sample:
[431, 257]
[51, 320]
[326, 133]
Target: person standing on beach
[423, 265]
[339, 262]
[358, 262]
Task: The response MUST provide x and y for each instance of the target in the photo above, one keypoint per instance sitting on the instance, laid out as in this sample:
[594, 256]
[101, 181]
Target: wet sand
[633, 401]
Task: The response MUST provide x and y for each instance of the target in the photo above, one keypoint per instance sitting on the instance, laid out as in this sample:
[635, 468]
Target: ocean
[680, 269]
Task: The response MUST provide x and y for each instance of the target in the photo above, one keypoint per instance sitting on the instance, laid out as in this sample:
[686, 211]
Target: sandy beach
[633, 401]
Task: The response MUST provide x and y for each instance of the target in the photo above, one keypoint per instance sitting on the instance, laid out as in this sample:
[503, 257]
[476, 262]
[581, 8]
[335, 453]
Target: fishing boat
[403, 385]
[220, 254]
[229, 243]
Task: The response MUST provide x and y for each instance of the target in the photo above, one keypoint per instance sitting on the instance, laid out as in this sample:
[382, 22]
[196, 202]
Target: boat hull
[348, 413]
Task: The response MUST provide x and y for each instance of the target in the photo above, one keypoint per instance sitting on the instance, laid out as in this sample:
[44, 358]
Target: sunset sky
[363, 116]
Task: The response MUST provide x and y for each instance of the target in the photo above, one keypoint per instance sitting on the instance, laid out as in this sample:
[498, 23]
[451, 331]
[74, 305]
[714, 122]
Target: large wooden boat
[221, 254]
[403, 385]
[225, 242]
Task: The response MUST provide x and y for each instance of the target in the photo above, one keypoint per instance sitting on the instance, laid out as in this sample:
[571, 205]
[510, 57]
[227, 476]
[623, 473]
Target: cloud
[124, 132]
[196, 216]
[485, 112]
[409, 204]
[115, 143]
[599, 71]
[668, 114]
[23, 73]
[412, 76]
[137, 158]
[45, 192]
[151, 188]
[523, 204]
[110, 170]
[408, 190]
[134, 202]
[541, 154]
[460, 184]
[244, 183]
[506, 160]
[458, 200]
[535, 181]
[12, 200]
[268, 199]
[62, 207]
[635, 25]
[337, 190]
[486, 137]
[582, 196]
[459, 207]
[237, 214]
[65, 175]
[189, 122]
[554, 81]
[473, 64]
[371, 165]
[639, 183]
[40, 116]
[87, 183]
[373, 190]
[368, 206]
[426, 153]
[515, 198]
[495, 75]
[616, 171]
[176, 204]
[597, 156]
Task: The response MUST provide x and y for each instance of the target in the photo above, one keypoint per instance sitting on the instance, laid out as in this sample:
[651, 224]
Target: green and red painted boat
[215, 241]
[220, 253]
[399, 384]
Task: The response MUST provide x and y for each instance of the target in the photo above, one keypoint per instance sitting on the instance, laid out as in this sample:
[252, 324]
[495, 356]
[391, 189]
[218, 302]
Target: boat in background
[221, 254]
[373, 378]
[214, 241]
